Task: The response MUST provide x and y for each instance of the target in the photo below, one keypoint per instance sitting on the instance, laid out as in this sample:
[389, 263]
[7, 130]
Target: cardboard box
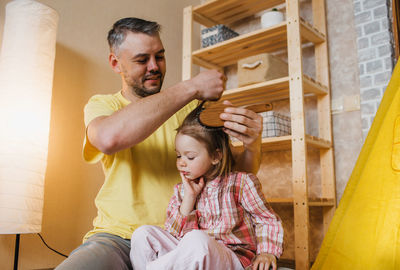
[216, 34]
[260, 68]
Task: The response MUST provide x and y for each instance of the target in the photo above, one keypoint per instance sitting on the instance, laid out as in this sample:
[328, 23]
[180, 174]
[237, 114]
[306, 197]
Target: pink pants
[155, 248]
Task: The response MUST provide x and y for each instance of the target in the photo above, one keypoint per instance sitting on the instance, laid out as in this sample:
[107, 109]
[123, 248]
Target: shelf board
[311, 201]
[269, 91]
[228, 11]
[265, 40]
[318, 142]
[282, 143]
[286, 261]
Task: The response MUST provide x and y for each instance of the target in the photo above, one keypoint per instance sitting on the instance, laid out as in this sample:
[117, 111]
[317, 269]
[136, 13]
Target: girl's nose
[181, 163]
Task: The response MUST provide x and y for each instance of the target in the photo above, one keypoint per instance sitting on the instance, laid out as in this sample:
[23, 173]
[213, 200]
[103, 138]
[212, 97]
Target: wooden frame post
[187, 43]
[299, 147]
[327, 162]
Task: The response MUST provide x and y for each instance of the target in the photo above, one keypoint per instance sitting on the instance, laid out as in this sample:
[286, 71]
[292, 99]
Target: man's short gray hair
[120, 28]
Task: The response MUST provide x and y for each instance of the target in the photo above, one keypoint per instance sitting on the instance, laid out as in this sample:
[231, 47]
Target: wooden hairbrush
[210, 110]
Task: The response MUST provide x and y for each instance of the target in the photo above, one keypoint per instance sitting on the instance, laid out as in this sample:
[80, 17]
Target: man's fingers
[246, 120]
[227, 102]
[244, 130]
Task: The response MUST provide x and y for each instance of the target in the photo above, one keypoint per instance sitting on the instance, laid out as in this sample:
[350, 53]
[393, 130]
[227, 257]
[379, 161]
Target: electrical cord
[44, 242]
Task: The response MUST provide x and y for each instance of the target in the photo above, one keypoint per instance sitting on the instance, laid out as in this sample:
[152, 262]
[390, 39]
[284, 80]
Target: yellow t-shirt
[139, 180]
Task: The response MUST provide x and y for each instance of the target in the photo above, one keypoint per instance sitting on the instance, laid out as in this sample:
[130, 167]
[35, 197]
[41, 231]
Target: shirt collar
[214, 182]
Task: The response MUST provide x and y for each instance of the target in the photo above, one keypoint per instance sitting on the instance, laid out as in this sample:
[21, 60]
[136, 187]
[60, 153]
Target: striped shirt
[232, 210]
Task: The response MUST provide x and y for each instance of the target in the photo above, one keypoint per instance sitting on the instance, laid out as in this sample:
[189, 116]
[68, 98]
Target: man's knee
[98, 252]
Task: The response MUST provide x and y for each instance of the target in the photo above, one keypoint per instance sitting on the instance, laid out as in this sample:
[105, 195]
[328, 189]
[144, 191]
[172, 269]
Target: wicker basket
[216, 34]
[275, 124]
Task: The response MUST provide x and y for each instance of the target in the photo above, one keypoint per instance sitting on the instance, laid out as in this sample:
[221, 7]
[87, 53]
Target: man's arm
[248, 160]
[138, 120]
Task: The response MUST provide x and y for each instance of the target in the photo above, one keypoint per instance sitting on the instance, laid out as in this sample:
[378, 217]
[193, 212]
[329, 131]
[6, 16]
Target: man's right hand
[208, 85]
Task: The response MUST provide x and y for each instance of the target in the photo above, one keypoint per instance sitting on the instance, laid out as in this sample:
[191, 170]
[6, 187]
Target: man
[132, 134]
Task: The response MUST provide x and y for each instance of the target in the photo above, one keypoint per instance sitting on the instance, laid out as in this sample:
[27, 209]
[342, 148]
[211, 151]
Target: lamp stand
[16, 252]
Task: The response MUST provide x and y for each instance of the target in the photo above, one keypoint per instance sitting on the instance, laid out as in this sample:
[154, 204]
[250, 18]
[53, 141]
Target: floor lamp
[26, 78]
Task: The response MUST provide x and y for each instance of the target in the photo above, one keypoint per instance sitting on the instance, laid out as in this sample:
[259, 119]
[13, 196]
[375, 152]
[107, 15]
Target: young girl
[216, 219]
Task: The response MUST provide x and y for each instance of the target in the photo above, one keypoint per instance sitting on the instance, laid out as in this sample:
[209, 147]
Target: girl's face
[192, 158]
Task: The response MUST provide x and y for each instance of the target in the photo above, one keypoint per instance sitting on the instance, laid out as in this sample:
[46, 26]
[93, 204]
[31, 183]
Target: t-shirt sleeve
[182, 113]
[97, 106]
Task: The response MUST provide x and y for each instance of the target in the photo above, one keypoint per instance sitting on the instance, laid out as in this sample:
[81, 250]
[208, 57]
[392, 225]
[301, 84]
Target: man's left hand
[243, 124]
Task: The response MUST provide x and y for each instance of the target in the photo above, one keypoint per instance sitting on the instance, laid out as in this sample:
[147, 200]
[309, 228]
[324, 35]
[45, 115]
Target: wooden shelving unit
[229, 11]
[290, 35]
[264, 40]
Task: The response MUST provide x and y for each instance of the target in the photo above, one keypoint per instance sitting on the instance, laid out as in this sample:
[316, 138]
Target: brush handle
[209, 115]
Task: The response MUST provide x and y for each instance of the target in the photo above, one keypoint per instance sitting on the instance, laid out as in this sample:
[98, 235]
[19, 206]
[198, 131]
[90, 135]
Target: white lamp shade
[26, 78]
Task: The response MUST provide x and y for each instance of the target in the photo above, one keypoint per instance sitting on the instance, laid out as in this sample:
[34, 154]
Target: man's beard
[142, 91]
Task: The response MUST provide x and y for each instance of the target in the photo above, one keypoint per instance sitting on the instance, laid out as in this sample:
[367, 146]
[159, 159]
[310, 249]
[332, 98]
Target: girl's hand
[263, 261]
[192, 187]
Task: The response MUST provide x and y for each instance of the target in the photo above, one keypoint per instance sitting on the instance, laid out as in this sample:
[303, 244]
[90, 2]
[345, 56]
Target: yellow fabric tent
[365, 230]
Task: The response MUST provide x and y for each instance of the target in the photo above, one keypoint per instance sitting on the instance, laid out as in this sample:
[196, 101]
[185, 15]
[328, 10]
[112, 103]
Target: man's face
[142, 63]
